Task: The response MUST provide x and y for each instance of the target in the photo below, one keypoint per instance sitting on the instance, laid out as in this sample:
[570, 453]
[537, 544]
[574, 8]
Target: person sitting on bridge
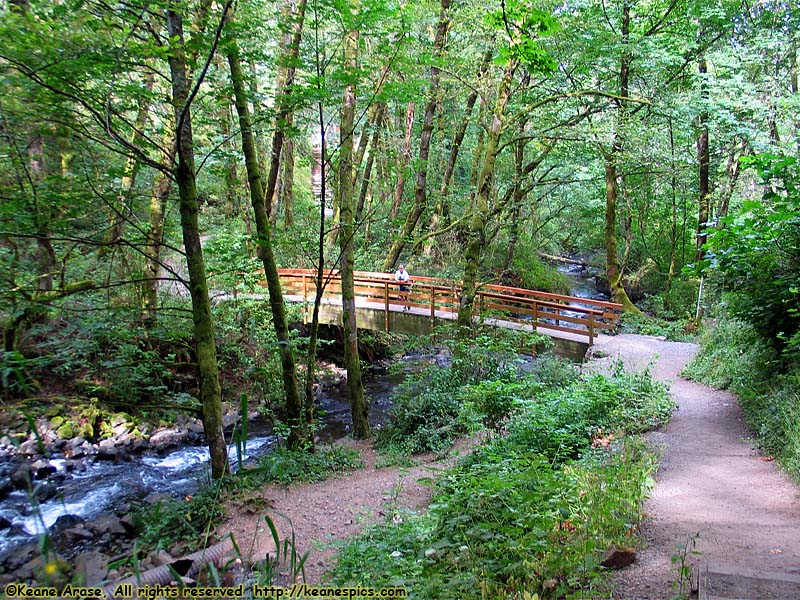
[404, 279]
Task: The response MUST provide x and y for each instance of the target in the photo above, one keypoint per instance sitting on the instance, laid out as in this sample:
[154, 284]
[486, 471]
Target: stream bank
[84, 494]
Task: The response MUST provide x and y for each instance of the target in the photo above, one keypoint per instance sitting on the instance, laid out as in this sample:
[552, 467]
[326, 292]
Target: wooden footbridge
[573, 322]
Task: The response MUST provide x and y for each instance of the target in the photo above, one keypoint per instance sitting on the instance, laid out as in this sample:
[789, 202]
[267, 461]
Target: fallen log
[563, 259]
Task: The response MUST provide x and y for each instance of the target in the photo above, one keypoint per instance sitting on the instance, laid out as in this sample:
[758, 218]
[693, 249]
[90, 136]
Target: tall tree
[420, 191]
[204, 335]
[300, 434]
[346, 234]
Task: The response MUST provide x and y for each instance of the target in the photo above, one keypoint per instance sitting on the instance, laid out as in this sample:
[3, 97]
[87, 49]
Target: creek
[583, 281]
[87, 487]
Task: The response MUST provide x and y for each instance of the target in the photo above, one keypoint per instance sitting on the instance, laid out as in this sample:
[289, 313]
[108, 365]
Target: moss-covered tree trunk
[518, 194]
[480, 209]
[300, 436]
[358, 403]
[614, 269]
[208, 370]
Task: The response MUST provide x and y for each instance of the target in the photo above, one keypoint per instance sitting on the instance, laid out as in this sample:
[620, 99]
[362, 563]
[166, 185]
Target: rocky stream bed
[84, 494]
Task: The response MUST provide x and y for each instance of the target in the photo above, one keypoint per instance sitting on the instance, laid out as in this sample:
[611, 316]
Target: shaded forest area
[155, 156]
[158, 160]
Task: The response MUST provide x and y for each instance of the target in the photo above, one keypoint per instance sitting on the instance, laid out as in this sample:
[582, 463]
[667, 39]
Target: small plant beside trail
[685, 582]
[184, 521]
[532, 511]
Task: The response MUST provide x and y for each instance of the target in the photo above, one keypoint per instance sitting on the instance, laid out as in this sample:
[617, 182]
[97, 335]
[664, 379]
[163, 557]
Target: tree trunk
[358, 403]
[373, 145]
[441, 216]
[480, 210]
[300, 436]
[284, 116]
[704, 195]
[673, 252]
[208, 371]
[319, 284]
[613, 266]
[402, 162]
[153, 244]
[793, 86]
[732, 171]
[420, 192]
[132, 165]
[288, 183]
[516, 205]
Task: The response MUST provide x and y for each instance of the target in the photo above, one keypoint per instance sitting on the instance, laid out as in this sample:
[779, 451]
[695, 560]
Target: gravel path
[711, 482]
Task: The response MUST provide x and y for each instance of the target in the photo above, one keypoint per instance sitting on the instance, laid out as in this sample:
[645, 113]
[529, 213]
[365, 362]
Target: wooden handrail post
[535, 314]
[433, 304]
[591, 328]
[386, 306]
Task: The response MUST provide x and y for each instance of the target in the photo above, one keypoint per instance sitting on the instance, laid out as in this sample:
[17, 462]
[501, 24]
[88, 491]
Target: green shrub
[643, 324]
[437, 403]
[560, 424]
[285, 466]
[529, 512]
[754, 254]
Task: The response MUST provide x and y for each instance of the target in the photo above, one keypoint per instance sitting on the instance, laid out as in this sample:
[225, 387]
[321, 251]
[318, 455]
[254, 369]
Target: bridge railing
[439, 298]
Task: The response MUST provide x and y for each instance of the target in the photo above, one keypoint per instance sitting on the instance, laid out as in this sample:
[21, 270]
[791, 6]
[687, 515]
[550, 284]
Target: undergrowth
[438, 403]
[531, 511]
[287, 466]
[643, 324]
[734, 357]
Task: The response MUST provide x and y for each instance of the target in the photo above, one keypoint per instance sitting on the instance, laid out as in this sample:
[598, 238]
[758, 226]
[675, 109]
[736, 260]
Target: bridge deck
[381, 305]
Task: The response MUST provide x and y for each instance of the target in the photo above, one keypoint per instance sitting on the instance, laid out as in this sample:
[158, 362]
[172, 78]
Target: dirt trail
[711, 482]
[334, 509]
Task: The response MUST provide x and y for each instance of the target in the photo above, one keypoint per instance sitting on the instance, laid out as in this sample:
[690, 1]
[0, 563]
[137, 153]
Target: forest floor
[337, 508]
[712, 487]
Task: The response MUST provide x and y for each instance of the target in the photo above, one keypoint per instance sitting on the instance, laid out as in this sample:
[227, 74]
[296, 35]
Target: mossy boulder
[66, 430]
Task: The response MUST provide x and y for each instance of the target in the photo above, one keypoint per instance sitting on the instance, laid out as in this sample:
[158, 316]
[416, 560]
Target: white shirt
[402, 275]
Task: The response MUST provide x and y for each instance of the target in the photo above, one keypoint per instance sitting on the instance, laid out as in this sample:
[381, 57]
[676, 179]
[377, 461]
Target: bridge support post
[591, 329]
[535, 314]
[386, 306]
[433, 305]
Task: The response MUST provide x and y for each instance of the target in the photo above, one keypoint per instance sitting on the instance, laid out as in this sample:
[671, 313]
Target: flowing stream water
[87, 488]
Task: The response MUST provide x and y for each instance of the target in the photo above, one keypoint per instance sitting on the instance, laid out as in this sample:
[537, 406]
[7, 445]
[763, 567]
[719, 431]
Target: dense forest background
[155, 156]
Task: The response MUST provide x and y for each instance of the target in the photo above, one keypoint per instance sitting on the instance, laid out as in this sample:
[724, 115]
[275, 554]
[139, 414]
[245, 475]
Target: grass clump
[531, 511]
[288, 466]
[181, 523]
